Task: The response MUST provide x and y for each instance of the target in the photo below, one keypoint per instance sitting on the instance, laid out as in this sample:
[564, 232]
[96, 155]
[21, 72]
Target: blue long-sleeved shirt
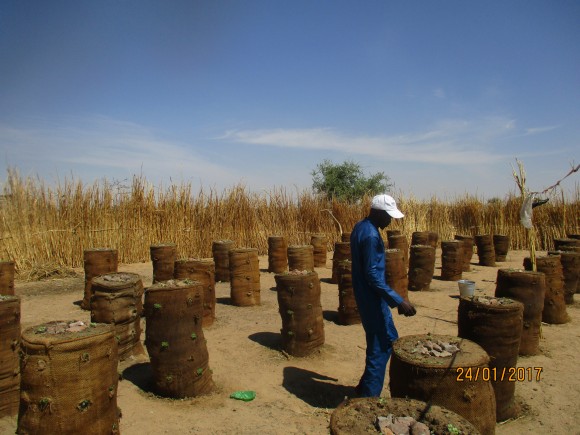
[373, 295]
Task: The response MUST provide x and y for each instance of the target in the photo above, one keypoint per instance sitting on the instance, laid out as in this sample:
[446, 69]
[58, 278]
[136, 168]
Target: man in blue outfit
[373, 295]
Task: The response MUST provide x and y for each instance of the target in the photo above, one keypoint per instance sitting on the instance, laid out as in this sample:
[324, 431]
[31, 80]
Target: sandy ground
[298, 395]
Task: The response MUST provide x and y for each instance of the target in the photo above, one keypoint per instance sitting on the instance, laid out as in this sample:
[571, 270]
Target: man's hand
[406, 309]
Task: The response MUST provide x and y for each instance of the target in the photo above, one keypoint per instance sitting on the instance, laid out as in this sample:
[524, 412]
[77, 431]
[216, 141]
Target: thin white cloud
[448, 142]
[538, 130]
[510, 124]
[106, 145]
[439, 93]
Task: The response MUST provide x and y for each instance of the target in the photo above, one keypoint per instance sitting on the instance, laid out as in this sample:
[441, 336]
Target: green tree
[347, 181]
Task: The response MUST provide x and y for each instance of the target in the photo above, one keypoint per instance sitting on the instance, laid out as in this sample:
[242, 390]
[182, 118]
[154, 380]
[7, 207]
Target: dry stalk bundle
[485, 249]
[175, 340]
[69, 379]
[244, 277]
[97, 261]
[277, 254]
[347, 308]
[220, 251]
[300, 257]
[467, 250]
[163, 256]
[496, 325]
[202, 270]
[341, 253]
[421, 267]
[528, 288]
[9, 360]
[396, 272]
[319, 242]
[47, 270]
[434, 379]
[554, 311]
[301, 311]
[452, 260]
[501, 246]
[118, 300]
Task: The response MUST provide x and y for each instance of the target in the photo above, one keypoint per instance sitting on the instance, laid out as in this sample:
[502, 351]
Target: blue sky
[441, 96]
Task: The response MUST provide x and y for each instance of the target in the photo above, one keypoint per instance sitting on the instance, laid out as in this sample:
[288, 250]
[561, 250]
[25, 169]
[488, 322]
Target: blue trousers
[379, 350]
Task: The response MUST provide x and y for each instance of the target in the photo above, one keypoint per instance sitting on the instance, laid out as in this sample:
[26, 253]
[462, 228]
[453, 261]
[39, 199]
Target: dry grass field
[44, 229]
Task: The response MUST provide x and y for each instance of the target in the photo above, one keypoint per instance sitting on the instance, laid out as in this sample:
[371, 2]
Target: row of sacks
[300, 312]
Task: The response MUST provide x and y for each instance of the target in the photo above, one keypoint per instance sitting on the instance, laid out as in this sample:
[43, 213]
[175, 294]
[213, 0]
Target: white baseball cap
[388, 204]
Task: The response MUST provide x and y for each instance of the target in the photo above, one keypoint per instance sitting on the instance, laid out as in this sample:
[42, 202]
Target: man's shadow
[315, 389]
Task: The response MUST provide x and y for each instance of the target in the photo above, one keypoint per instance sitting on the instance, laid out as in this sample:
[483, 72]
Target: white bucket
[466, 287]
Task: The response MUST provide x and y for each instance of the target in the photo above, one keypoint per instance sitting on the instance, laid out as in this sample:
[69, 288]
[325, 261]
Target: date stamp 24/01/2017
[505, 374]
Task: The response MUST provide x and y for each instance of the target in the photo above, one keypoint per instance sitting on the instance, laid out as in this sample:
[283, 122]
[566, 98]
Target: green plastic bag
[246, 396]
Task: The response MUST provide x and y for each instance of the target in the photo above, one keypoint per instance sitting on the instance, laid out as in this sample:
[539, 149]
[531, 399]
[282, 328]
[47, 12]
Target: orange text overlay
[506, 374]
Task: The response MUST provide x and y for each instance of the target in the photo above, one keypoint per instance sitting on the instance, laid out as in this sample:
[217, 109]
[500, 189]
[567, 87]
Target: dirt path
[297, 395]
